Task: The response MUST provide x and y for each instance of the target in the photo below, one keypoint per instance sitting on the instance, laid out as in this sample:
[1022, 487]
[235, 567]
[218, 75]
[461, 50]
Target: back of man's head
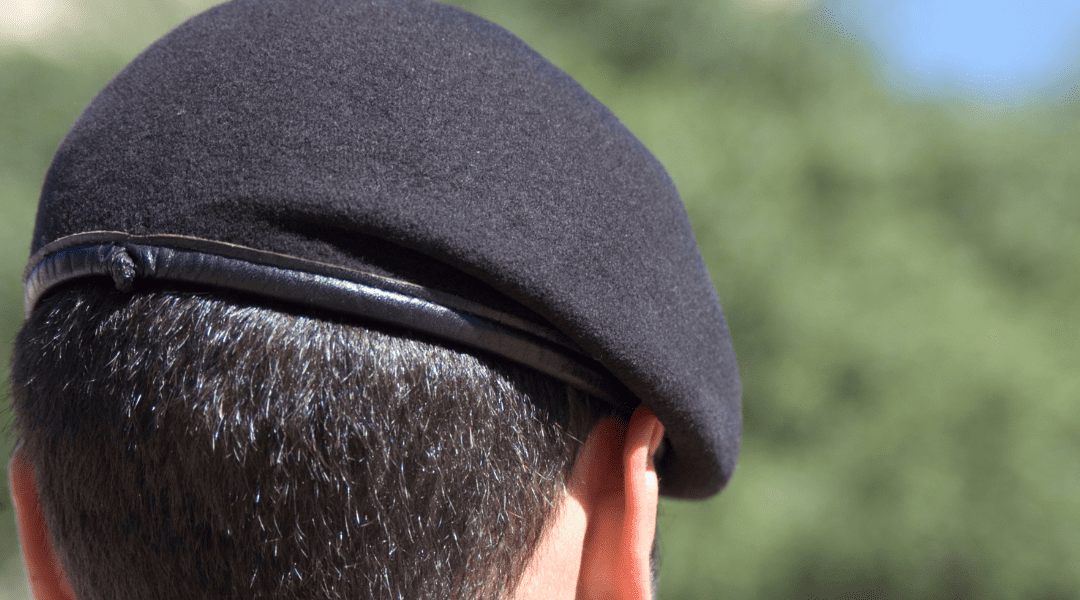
[325, 299]
[189, 445]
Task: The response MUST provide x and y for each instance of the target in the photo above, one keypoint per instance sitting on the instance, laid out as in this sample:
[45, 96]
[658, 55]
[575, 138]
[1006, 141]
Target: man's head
[212, 446]
[380, 280]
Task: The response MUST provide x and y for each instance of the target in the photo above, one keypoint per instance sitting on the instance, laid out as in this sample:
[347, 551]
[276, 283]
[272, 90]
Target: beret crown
[416, 141]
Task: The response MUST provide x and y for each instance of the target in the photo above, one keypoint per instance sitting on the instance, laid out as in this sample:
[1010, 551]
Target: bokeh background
[895, 244]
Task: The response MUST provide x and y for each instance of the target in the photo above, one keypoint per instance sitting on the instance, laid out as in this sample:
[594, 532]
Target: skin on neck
[597, 547]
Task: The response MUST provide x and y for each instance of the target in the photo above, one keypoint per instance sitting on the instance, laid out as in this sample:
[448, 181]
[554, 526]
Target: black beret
[408, 162]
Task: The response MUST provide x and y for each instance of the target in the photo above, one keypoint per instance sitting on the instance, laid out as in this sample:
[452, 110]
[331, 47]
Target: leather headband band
[179, 259]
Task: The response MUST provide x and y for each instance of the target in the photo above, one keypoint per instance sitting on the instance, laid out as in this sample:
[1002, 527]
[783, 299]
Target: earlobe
[43, 568]
[621, 500]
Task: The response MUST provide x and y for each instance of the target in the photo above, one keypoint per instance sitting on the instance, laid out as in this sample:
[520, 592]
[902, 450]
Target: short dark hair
[190, 443]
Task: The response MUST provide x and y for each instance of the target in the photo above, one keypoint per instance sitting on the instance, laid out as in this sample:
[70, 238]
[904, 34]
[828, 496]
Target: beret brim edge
[181, 259]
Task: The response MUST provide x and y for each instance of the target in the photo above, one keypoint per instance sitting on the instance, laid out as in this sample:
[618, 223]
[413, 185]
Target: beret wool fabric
[416, 141]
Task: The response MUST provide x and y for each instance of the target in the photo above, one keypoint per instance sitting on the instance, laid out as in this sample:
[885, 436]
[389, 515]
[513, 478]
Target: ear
[44, 571]
[619, 490]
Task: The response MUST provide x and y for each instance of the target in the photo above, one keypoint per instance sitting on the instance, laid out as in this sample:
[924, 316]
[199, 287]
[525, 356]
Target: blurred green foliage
[900, 278]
